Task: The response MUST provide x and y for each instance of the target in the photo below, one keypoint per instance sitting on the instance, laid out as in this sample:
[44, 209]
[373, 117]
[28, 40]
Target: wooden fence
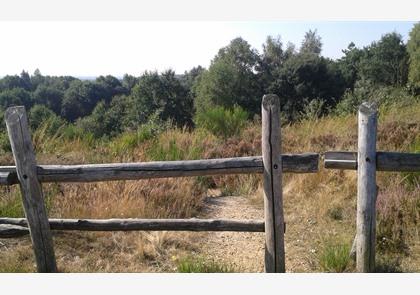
[30, 176]
[367, 161]
[271, 164]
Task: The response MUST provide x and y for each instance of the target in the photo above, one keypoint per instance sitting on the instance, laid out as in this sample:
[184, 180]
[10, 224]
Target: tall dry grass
[319, 208]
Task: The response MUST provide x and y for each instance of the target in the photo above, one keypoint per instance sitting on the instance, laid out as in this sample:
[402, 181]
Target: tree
[311, 43]
[163, 93]
[385, 62]
[231, 79]
[272, 58]
[39, 114]
[15, 97]
[413, 48]
[25, 81]
[349, 64]
[49, 96]
[108, 86]
[79, 100]
[303, 78]
[129, 82]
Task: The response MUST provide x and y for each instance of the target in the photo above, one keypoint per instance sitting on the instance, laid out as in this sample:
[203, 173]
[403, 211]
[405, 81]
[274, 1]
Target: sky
[99, 48]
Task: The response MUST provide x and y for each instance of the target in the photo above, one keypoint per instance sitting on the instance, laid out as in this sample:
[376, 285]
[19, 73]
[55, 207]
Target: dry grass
[319, 208]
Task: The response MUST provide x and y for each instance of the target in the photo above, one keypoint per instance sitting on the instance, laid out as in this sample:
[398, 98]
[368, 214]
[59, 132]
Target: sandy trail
[245, 251]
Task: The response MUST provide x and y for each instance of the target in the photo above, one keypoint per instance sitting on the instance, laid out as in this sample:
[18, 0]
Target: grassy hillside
[319, 208]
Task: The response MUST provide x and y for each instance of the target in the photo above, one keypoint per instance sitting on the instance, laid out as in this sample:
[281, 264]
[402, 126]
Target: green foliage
[385, 62]
[40, 114]
[313, 109]
[127, 141]
[15, 96]
[201, 265]
[73, 132]
[164, 93]
[311, 43]
[335, 257]
[222, 122]
[413, 48]
[49, 96]
[305, 77]
[230, 80]
[171, 151]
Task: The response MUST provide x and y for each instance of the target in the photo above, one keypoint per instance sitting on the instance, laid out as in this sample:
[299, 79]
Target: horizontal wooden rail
[13, 227]
[7, 178]
[296, 163]
[385, 161]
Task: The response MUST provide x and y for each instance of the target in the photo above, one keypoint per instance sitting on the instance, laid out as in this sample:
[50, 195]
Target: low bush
[222, 122]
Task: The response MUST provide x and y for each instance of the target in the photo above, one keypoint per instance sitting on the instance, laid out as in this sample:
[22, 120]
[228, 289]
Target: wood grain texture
[8, 178]
[272, 183]
[12, 231]
[32, 196]
[366, 189]
[132, 224]
[385, 161]
[297, 163]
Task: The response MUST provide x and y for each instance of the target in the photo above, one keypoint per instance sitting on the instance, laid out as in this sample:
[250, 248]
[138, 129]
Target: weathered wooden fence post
[366, 189]
[272, 178]
[32, 196]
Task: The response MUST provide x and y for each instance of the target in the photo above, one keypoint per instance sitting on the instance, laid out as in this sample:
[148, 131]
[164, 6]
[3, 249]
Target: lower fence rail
[15, 227]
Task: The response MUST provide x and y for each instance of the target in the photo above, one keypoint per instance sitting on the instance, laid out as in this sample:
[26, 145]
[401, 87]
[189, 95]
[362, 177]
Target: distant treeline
[238, 76]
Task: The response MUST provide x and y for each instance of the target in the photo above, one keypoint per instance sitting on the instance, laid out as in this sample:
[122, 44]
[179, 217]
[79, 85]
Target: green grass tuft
[335, 257]
[201, 265]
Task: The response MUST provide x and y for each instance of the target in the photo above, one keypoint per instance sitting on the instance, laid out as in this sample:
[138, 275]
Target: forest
[308, 84]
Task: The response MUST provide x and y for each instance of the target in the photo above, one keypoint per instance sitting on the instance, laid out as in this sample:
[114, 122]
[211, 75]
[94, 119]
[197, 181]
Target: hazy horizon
[90, 49]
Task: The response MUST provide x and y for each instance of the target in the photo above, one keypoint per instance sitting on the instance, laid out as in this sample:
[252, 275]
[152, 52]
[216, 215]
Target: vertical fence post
[366, 189]
[272, 179]
[32, 196]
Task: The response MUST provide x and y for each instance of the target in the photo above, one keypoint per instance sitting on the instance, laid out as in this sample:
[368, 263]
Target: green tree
[413, 48]
[303, 78]
[49, 96]
[385, 62]
[231, 79]
[79, 100]
[349, 64]
[39, 114]
[311, 43]
[271, 59]
[15, 97]
[164, 93]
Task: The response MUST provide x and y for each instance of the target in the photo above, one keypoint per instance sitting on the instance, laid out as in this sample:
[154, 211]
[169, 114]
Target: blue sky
[116, 48]
[336, 35]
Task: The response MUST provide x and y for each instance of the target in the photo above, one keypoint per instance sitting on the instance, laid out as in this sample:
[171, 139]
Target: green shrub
[201, 265]
[171, 151]
[222, 122]
[335, 257]
[131, 139]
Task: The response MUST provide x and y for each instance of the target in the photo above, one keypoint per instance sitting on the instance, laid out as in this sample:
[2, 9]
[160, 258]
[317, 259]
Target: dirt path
[245, 251]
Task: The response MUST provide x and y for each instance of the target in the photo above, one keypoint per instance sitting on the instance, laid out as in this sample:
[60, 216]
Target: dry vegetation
[319, 208]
